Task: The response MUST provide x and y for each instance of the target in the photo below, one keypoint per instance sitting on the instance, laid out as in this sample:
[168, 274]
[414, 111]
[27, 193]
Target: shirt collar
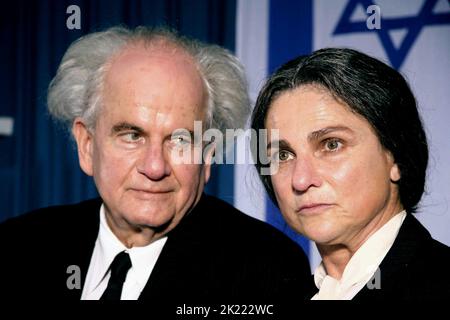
[141, 257]
[109, 244]
[364, 263]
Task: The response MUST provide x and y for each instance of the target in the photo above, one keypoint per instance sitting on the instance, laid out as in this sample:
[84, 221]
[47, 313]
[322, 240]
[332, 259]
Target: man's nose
[153, 163]
[305, 175]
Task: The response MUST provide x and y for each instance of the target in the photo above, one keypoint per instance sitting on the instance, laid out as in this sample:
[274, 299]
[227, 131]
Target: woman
[348, 163]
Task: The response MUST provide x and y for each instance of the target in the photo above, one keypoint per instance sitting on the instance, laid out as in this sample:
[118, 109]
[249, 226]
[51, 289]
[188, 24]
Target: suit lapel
[394, 267]
[81, 241]
[175, 268]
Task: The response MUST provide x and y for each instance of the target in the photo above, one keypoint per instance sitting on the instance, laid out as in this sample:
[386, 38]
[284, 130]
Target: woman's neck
[335, 257]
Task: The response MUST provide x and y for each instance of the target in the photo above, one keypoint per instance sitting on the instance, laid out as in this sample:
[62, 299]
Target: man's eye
[131, 137]
[332, 145]
[181, 140]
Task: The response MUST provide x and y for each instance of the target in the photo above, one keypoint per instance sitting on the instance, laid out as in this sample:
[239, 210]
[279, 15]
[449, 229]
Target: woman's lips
[313, 208]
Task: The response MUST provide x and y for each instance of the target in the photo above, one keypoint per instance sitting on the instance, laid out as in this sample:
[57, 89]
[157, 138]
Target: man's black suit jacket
[415, 268]
[215, 254]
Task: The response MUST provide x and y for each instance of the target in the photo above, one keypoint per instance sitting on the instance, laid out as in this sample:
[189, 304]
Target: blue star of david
[413, 24]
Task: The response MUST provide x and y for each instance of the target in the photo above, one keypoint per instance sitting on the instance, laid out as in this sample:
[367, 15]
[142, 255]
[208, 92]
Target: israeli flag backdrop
[39, 166]
[412, 36]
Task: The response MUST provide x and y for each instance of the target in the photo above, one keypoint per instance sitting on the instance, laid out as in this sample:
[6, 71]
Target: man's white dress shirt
[107, 246]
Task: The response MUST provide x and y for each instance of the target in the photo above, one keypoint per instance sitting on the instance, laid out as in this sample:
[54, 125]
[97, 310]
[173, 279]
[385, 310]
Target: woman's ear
[84, 140]
[395, 173]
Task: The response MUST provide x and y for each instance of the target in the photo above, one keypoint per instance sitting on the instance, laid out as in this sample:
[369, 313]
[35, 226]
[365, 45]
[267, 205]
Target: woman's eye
[282, 155]
[332, 145]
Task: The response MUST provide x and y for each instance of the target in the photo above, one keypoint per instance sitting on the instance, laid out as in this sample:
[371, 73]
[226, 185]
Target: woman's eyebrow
[316, 135]
[279, 144]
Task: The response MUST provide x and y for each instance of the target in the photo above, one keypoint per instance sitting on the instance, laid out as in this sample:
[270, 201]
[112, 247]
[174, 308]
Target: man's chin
[150, 221]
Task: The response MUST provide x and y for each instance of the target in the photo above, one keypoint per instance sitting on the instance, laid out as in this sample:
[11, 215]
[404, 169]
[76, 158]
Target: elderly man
[153, 235]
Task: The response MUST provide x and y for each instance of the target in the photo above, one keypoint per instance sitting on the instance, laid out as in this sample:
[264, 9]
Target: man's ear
[84, 142]
[208, 155]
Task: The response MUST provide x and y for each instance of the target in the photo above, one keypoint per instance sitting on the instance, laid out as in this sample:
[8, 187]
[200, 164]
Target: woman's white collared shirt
[361, 267]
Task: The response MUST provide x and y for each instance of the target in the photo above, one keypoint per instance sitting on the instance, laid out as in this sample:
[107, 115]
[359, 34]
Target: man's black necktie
[119, 268]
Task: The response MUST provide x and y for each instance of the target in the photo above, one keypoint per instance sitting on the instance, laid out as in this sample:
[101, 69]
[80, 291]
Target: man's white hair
[76, 89]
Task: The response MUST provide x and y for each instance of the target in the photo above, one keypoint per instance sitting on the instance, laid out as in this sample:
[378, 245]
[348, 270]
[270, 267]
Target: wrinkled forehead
[165, 79]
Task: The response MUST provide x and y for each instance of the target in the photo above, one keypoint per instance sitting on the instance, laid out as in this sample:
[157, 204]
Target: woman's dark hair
[371, 89]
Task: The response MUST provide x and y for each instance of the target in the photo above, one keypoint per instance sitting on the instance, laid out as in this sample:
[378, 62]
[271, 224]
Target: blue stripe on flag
[221, 182]
[290, 35]
[275, 218]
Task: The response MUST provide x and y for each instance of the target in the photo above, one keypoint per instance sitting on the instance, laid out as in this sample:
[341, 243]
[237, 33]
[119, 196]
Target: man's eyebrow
[316, 135]
[125, 126]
